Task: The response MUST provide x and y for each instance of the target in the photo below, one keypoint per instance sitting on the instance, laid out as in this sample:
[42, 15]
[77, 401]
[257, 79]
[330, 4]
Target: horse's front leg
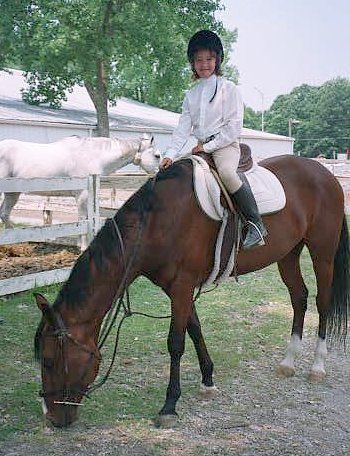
[181, 308]
[10, 200]
[207, 387]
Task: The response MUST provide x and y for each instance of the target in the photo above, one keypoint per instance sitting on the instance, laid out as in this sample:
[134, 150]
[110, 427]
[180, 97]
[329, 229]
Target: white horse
[71, 157]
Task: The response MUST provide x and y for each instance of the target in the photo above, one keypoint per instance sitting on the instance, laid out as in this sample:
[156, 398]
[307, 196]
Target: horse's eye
[48, 363]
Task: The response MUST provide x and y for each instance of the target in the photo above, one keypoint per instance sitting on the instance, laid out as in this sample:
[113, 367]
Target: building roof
[79, 110]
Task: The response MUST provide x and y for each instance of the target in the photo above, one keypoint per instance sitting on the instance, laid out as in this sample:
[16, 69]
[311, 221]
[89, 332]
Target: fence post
[96, 203]
[93, 206]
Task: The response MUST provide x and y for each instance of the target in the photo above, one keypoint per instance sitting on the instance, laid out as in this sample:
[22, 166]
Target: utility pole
[292, 122]
[262, 107]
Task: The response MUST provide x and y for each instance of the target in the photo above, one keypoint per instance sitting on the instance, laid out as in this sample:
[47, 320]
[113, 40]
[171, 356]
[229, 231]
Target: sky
[285, 43]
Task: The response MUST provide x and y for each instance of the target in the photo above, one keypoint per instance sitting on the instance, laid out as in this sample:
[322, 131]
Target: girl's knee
[230, 179]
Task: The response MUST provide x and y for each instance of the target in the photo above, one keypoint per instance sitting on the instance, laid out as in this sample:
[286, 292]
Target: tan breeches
[226, 161]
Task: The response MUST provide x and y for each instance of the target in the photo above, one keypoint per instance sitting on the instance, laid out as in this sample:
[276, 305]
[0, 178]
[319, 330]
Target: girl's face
[204, 63]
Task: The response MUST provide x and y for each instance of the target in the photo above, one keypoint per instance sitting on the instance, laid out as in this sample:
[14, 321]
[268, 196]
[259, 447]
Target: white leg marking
[43, 406]
[207, 392]
[320, 356]
[286, 368]
[293, 349]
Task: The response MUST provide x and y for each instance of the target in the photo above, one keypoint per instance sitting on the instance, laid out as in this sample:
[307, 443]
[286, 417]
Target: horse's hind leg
[207, 388]
[10, 200]
[289, 268]
[323, 268]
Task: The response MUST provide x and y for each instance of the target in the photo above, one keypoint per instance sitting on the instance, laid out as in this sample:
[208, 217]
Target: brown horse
[167, 238]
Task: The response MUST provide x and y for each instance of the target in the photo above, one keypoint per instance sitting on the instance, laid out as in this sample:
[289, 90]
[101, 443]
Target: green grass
[240, 322]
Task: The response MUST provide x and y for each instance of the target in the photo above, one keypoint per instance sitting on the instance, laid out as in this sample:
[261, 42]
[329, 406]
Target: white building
[19, 120]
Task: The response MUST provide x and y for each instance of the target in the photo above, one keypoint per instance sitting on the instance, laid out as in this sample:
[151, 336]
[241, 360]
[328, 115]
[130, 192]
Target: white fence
[341, 170]
[87, 227]
[93, 184]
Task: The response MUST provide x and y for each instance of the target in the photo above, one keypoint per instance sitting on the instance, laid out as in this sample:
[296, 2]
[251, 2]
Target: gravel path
[256, 414]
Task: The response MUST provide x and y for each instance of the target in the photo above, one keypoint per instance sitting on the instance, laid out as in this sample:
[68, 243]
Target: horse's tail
[338, 316]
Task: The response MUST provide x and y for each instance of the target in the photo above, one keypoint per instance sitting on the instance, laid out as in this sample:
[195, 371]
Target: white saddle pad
[267, 189]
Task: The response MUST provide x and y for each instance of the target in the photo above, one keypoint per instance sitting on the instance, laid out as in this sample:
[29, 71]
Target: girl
[213, 112]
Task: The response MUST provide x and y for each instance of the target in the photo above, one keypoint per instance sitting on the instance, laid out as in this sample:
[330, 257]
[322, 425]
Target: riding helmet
[205, 39]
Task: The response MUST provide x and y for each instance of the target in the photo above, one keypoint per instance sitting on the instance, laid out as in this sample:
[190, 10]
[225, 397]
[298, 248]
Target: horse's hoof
[285, 371]
[166, 421]
[207, 392]
[316, 376]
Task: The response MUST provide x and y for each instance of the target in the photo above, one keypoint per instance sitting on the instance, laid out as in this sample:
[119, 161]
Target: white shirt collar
[211, 81]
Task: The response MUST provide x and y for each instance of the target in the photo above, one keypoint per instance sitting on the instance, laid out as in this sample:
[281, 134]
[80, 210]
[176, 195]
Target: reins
[123, 303]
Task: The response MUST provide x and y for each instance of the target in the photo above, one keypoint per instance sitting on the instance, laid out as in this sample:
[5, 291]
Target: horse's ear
[41, 302]
[44, 307]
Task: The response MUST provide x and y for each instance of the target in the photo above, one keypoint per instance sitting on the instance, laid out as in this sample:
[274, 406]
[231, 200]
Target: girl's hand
[165, 163]
[197, 149]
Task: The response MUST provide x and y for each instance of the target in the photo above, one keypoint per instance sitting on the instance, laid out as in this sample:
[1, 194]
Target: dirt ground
[27, 258]
[256, 414]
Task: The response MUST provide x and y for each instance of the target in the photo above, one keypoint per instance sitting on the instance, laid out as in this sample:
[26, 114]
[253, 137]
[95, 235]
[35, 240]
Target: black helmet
[205, 39]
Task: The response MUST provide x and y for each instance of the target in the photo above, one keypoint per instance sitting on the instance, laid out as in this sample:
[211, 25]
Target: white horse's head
[148, 156]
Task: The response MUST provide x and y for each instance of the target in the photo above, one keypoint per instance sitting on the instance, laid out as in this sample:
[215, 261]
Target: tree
[252, 119]
[112, 47]
[330, 123]
[11, 14]
[322, 113]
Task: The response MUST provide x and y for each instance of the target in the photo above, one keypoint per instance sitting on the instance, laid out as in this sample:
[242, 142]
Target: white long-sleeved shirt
[222, 118]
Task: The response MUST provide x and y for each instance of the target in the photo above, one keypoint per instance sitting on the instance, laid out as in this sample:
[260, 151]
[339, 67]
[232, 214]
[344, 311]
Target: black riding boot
[247, 205]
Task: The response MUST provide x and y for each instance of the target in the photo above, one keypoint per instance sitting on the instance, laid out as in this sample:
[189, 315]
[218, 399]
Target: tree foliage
[135, 48]
[323, 115]
[252, 119]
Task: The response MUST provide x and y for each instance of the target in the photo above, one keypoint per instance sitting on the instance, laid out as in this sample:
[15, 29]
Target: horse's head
[148, 156]
[69, 364]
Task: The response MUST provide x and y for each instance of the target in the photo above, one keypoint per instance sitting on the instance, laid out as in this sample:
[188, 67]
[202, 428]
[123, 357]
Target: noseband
[63, 337]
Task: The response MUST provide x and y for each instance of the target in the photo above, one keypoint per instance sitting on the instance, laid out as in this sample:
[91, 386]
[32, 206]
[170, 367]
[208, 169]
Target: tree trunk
[99, 97]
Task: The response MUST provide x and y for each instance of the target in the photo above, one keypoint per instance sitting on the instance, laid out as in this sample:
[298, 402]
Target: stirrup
[255, 235]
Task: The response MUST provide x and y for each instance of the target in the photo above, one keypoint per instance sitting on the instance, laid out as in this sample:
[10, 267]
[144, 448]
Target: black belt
[210, 138]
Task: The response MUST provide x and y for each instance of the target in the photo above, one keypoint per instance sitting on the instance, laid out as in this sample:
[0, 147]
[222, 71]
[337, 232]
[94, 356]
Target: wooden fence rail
[88, 227]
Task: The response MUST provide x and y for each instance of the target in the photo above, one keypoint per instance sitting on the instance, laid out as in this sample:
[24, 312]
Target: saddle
[266, 188]
[245, 162]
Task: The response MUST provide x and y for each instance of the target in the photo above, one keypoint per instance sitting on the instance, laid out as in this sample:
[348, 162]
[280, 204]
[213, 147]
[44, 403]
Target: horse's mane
[75, 291]
[175, 171]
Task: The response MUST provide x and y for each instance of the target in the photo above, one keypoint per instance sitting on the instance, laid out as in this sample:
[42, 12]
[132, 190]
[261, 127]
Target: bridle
[63, 337]
[138, 155]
